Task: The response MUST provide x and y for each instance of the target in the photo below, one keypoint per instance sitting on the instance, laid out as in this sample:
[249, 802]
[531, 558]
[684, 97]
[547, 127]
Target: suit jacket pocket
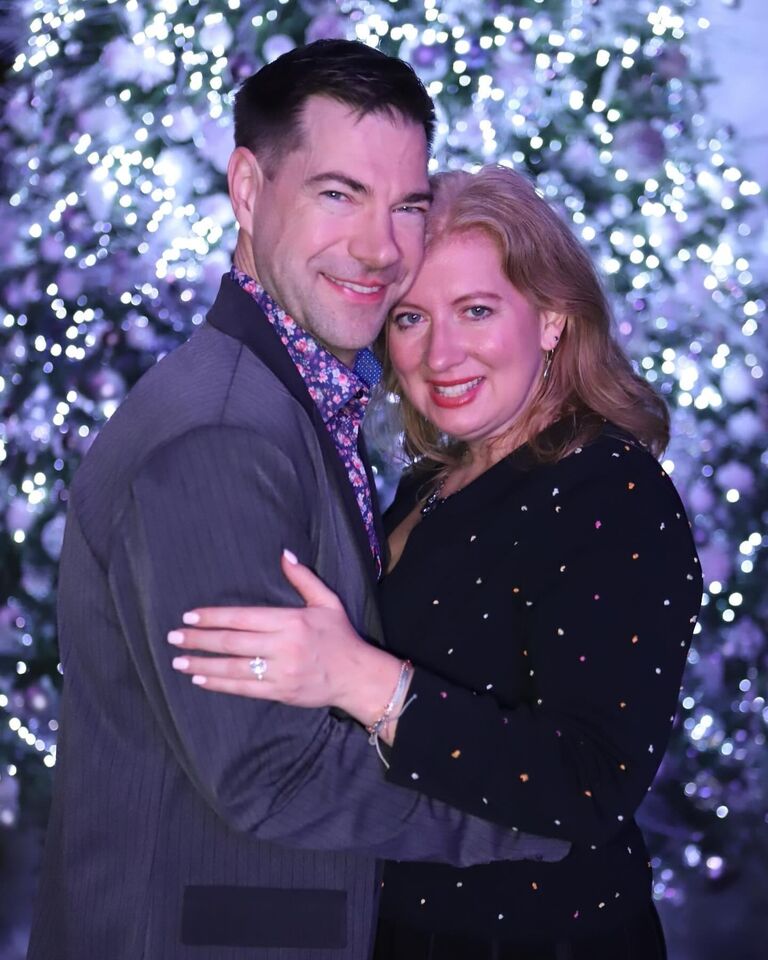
[264, 917]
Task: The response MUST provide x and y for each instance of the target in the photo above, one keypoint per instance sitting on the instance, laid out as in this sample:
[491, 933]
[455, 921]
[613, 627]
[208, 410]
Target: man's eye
[406, 319]
[412, 208]
[334, 194]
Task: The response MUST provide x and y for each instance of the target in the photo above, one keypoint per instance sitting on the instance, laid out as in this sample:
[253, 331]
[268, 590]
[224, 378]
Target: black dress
[548, 610]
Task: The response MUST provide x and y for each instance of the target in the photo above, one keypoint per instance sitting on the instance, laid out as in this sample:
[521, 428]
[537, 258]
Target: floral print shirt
[340, 394]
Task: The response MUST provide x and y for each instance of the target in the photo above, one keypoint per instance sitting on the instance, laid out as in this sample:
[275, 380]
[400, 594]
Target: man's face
[338, 231]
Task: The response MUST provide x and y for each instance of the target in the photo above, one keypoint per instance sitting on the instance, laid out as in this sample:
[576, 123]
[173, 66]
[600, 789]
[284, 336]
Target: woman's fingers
[269, 653]
[309, 587]
[240, 688]
[238, 618]
[238, 669]
[256, 677]
[240, 643]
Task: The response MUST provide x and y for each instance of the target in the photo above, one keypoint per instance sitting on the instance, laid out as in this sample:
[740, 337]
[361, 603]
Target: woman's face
[466, 346]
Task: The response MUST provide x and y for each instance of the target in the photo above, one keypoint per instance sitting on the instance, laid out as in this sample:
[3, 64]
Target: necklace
[435, 498]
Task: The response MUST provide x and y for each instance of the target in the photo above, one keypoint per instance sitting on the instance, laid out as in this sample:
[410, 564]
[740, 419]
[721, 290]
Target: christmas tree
[117, 227]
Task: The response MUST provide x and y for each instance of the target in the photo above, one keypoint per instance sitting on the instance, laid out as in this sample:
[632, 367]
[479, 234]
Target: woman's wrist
[385, 727]
[371, 681]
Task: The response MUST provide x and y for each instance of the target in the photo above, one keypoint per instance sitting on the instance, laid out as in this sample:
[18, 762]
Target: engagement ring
[258, 667]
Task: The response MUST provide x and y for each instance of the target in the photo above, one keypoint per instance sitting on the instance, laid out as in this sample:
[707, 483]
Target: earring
[548, 363]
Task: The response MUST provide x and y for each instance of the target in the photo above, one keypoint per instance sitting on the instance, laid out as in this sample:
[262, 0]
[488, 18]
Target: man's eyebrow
[417, 196]
[354, 185]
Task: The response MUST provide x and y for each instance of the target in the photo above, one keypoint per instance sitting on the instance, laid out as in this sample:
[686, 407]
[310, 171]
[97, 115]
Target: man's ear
[552, 326]
[245, 179]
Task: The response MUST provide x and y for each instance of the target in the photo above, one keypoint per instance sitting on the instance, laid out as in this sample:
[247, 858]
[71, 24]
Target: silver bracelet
[398, 694]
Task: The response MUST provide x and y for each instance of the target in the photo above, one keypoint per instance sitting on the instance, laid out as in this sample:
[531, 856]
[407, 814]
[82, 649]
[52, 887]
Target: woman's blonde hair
[590, 378]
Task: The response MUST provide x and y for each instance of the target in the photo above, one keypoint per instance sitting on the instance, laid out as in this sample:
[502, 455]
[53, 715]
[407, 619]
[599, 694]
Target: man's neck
[243, 258]
[244, 262]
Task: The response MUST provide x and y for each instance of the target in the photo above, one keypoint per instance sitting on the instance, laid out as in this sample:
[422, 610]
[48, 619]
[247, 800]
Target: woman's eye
[478, 311]
[406, 319]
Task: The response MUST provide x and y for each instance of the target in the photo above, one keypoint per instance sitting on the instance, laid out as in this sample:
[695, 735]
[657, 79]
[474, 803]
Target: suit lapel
[378, 521]
[236, 314]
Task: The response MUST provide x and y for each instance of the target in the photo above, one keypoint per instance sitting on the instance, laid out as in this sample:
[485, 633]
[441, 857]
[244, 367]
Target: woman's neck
[480, 456]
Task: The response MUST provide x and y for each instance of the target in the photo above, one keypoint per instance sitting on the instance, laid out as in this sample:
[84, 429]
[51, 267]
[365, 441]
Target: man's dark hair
[269, 104]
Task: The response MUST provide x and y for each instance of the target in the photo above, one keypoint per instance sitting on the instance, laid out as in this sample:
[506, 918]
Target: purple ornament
[127, 64]
[735, 476]
[97, 196]
[216, 143]
[9, 640]
[746, 427]
[744, 640]
[428, 60]
[327, 26]
[515, 67]
[716, 562]
[700, 497]
[18, 295]
[70, 282]
[176, 165]
[9, 800]
[737, 383]
[52, 247]
[639, 147]
[276, 45]
[20, 116]
[580, 157]
[142, 337]
[106, 385]
[185, 124]
[242, 64]
[52, 536]
[37, 582]
[671, 63]
[19, 515]
[217, 34]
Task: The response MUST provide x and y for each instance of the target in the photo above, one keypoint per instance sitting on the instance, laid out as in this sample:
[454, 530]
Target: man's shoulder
[212, 381]
[199, 380]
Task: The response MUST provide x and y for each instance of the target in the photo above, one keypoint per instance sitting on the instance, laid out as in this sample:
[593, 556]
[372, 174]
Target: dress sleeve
[608, 625]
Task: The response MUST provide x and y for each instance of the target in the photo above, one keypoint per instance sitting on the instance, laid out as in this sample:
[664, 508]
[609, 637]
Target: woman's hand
[307, 656]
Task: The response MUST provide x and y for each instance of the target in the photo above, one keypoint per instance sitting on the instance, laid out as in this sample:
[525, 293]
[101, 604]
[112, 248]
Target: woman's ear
[245, 178]
[552, 326]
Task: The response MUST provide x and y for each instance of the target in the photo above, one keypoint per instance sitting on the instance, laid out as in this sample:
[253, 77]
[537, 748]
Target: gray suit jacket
[189, 824]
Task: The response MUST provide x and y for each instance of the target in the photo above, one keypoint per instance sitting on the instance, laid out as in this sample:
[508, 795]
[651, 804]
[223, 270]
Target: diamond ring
[258, 667]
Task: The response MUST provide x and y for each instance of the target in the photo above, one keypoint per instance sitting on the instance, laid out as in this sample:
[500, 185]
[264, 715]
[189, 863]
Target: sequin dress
[549, 610]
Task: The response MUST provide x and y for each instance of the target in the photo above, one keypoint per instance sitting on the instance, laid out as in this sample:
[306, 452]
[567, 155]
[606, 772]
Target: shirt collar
[331, 384]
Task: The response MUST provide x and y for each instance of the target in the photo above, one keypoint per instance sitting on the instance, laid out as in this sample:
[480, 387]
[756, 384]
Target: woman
[543, 581]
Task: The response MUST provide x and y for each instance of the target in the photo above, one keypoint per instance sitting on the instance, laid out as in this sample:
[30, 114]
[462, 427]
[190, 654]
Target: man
[188, 824]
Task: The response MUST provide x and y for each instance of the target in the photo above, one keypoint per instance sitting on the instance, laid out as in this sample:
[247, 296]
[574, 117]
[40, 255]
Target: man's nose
[374, 243]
